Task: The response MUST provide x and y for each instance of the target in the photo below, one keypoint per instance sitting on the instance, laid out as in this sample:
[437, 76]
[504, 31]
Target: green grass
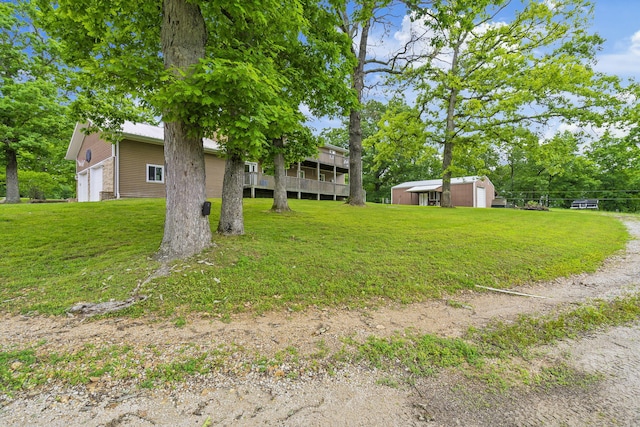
[418, 354]
[323, 254]
[517, 338]
[55, 255]
[498, 353]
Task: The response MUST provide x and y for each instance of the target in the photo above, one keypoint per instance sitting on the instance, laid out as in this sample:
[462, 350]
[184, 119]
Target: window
[323, 177]
[155, 173]
[301, 174]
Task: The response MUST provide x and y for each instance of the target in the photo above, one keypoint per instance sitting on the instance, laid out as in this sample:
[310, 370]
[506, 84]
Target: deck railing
[333, 159]
[258, 180]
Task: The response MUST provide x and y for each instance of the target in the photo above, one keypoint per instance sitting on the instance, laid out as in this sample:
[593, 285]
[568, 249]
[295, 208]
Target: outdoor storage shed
[472, 191]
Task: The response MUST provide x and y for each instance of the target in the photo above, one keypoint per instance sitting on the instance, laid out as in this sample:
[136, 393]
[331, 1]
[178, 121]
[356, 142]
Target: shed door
[83, 187]
[481, 197]
[95, 184]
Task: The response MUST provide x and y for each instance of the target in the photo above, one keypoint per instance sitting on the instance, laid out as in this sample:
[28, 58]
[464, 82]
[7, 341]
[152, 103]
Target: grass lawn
[324, 253]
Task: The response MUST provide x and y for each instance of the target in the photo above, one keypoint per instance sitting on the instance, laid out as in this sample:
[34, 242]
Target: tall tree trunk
[280, 203]
[447, 157]
[186, 230]
[13, 191]
[231, 216]
[356, 190]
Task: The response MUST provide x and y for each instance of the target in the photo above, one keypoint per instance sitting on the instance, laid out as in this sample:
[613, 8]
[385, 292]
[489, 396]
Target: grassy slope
[326, 253]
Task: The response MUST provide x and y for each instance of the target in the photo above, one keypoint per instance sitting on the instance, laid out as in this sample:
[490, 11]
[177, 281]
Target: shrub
[37, 185]
[534, 206]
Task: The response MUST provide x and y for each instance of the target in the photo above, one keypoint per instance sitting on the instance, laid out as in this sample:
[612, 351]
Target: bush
[534, 206]
[37, 185]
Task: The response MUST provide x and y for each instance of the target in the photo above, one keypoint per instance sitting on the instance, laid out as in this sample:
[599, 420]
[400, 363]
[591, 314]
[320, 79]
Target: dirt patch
[352, 395]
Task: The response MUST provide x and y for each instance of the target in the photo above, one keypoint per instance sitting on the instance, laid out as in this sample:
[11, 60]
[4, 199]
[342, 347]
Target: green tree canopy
[32, 106]
[488, 79]
[398, 150]
[207, 68]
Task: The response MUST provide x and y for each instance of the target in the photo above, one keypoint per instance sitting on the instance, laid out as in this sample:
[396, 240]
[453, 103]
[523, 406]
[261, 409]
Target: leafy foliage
[33, 120]
[618, 170]
[488, 79]
[398, 151]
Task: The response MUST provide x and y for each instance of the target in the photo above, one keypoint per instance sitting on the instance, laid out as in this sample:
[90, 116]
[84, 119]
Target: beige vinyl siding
[310, 173]
[214, 169]
[340, 179]
[134, 158]
[100, 151]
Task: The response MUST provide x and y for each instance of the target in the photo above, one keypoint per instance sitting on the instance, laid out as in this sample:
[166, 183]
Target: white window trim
[253, 167]
[147, 173]
[301, 174]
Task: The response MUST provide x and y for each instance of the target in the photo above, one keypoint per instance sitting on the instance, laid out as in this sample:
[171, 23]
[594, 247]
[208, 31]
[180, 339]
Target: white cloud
[589, 132]
[383, 47]
[625, 63]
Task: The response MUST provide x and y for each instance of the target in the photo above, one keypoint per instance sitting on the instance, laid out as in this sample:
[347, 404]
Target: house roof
[76, 141]
[423, 188]
[135, 131]
[145, 132]
[594, 201]
[413, 186]
[336, 148]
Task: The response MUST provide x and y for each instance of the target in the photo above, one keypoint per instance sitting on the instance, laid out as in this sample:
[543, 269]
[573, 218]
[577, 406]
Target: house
[585, 204]
[134, 167]
[472, 191]
[321, 178]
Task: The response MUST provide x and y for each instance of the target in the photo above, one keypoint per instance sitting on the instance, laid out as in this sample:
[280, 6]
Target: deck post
[299, 181]
[335, 178]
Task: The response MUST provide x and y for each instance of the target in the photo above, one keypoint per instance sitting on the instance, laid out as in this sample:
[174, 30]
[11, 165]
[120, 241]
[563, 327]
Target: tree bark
[186, 230]
[445, 200]
[280, 203]
[231, 215]
[356, 190]
[447, 157]
[13, 190]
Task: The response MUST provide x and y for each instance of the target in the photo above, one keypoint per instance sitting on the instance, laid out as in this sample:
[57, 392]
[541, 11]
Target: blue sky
[617, 21]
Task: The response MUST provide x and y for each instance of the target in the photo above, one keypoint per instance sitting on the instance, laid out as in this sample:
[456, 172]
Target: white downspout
[116, 167]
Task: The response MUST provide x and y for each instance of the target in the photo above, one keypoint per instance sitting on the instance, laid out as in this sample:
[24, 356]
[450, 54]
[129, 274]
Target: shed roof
[437, 182]
[424, 188]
